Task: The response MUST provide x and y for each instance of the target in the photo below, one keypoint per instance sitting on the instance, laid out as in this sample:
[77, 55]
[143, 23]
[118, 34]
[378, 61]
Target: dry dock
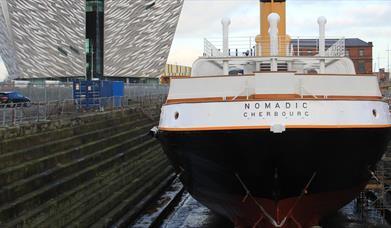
[102, 169]
[187, 212]
[89, 170]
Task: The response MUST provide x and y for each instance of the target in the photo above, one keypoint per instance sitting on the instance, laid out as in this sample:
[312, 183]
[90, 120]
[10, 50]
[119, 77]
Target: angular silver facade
[138, 40]
[45, 39]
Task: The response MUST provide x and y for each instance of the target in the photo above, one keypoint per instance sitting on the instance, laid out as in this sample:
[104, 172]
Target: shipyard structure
[115, 39]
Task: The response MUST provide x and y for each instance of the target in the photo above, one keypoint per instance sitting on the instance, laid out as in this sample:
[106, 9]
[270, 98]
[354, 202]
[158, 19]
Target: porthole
[374, 113]
[176, 115]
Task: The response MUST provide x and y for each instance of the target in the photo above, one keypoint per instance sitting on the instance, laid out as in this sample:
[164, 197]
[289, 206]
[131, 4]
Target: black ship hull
[260, 179]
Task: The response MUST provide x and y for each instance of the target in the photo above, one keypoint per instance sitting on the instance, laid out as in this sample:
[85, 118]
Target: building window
[361, 67]
[149, 4]
[73, 49]
[361, 52]
[347, 53]
[62, 51]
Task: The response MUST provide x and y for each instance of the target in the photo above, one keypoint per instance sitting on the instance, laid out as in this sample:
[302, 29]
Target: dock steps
[98, 174]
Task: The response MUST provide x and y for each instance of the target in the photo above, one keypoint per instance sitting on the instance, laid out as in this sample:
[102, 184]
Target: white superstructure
[266, 100]
[299, 134]
[272, 84]
[274, 92]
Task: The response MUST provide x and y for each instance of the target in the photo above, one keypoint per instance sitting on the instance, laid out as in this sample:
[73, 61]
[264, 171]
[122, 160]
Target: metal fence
[60, 91]
[289, 46]
[22, 113]
[39, 92]
[135, 91]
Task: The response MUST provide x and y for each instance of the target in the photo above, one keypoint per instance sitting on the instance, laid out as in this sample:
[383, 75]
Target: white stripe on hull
[269, 114]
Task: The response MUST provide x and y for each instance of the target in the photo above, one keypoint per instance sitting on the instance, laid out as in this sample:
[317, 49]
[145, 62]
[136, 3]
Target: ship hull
[258, 178]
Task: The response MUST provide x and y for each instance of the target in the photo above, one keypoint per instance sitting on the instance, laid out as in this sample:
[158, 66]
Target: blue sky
[369, 20]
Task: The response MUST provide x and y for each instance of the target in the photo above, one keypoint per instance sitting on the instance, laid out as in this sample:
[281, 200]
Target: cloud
[185, 50]
[365, 19]
[203, 17]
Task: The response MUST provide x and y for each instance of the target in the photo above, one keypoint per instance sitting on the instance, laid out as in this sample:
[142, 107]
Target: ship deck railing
[288, 46]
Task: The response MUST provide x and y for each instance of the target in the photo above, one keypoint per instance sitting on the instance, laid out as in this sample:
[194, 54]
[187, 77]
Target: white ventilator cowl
[273, 19]
[225, 22]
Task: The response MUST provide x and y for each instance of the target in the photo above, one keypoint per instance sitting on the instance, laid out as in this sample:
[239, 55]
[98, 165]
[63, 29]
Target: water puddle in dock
[188, 213]
[191, 214]
[154, 210]
[351, 216]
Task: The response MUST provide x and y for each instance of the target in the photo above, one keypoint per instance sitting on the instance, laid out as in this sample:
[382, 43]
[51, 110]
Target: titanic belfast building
[66, 39]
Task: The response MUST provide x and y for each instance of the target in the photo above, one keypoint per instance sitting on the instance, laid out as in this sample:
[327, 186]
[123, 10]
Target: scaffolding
[375, 202]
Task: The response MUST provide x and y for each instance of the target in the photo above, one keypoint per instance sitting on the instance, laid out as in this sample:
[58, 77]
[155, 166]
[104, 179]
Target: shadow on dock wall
[81, 172]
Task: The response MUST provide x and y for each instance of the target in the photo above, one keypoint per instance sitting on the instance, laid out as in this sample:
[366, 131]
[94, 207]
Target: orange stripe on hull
[272, 97]
[268, 127]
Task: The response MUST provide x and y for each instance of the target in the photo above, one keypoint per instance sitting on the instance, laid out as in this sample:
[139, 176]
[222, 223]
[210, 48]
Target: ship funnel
[273, 19]
[225, 22]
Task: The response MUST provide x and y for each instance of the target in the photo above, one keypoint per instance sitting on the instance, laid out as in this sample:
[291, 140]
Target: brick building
[356, 49]
[361, 54]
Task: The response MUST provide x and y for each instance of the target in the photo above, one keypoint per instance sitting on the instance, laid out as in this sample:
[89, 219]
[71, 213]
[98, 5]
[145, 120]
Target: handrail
[337, 49]
[211, 50]
[289, 46]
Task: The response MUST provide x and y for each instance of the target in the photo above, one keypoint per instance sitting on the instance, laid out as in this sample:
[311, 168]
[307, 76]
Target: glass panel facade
[94, 6]
[94, 38]
[62, 51]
